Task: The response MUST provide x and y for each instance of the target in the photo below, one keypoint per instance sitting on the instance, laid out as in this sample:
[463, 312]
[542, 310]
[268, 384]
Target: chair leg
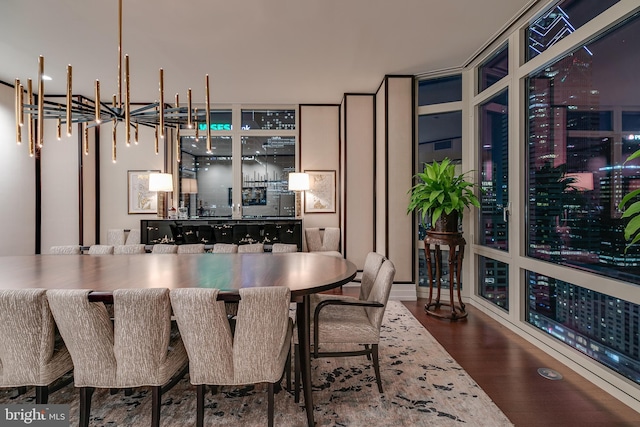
[366, 346]
[85, 405]
[42, 394]
[376, 365]
[22, 390]
[200, 391]
[296, 372]
[156, 399]
[288, 370]
[270, 405]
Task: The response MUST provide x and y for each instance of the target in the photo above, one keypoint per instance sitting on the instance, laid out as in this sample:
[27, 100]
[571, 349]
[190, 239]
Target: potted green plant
[442, 195]
[632, 229]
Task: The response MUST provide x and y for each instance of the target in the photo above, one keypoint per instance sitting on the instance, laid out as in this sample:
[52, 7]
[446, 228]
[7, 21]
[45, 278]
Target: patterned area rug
[423, 386]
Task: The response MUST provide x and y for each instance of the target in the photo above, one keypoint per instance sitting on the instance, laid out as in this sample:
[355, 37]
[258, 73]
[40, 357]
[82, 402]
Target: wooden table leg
[303, 313]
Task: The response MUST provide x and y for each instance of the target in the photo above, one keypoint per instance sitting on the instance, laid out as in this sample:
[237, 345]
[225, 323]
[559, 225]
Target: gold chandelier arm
[97, 104]
[114, 132]
[127, 105]
[189, 118]
[161, 130]
[18, 87]
[208, 112]
[30, 128]
[197, 127]
[177, 142]
[40, 101]
[69, 95]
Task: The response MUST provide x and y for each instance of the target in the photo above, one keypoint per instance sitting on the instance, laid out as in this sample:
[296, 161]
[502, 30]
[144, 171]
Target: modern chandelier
[90, 114]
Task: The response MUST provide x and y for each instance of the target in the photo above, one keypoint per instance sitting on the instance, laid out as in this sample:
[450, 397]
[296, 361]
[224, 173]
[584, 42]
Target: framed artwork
[141, 200]
[321, 196]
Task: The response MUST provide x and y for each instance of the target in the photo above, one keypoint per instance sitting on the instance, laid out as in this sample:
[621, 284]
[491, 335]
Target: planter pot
[446, 223]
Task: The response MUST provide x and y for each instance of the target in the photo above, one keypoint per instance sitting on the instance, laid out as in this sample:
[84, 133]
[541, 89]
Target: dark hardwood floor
[505, 366]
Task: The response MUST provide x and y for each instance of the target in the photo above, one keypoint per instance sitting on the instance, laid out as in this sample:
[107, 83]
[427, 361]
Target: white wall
[319, 150]
[17, 183]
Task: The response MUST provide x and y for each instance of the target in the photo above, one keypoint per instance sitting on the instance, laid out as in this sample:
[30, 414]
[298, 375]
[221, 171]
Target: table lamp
[162, 183]
[188, 186]
[298, 182]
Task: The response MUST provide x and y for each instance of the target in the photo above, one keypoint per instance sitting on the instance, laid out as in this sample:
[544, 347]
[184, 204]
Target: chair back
[133, 350]
[88, 334]
[129, 249]
[27, 332]
[162, 248]
[284, 248]
[133, 238]
[372, 264]
[65, 250]
[318, 241]
[101, 250]
[205, 331]
[142, 332]
[251, 248]
[195, 248]
[380, 292]
[225, 248]
[115, 236]
[255, 353]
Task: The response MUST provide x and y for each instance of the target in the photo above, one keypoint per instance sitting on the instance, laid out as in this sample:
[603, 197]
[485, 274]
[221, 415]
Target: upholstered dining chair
[350, 323]
[65, 250]
[30, 355]
[284, 248]
[135, 350]
[372, 264]
[133, 238]
[225, 248]
[115, 236]
[251, 248]
[129, 249]
[101, 250]
[256, 353]
[162, 248]
[326, 242]
[194, 248]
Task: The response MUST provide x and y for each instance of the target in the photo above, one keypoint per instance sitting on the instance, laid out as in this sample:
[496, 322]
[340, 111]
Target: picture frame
[321, 196]
[139, 199]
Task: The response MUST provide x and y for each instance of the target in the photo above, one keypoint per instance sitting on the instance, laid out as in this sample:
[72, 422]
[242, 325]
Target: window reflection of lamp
[162, 183]
[298, 182]
[188, 186]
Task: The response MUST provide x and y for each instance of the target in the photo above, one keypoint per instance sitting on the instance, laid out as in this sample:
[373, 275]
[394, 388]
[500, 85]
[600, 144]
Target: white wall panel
[400, 171]
[359, 230]
[17, 183]
[320, 150]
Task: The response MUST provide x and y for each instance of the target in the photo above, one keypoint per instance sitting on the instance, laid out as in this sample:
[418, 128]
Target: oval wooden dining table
[303, 273]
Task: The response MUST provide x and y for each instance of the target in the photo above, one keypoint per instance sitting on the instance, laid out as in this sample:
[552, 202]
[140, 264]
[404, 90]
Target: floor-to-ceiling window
[439, 137]
[554, 118]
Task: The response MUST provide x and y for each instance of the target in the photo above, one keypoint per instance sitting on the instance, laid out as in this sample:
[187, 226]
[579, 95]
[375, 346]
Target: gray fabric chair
[195, 248]
[256, 353]
[326, 242]
[115, 236]
[101, 250]
[134, 350]
[372, 264]
[65, 250]
[29, 353]
[225, 248]
[162, 248]
[133, 238]
[251, 248]
[350, 322]
[129, 249]
[284, 248]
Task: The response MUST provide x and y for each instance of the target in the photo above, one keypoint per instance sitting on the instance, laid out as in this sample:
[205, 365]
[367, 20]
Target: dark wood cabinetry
[210, 231]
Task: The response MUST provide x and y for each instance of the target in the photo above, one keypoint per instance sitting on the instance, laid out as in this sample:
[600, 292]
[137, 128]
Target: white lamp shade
[160, 182]
[298, 181]
[189, 185]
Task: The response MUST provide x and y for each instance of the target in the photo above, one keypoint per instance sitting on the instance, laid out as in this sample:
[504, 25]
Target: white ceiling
[255, 51]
